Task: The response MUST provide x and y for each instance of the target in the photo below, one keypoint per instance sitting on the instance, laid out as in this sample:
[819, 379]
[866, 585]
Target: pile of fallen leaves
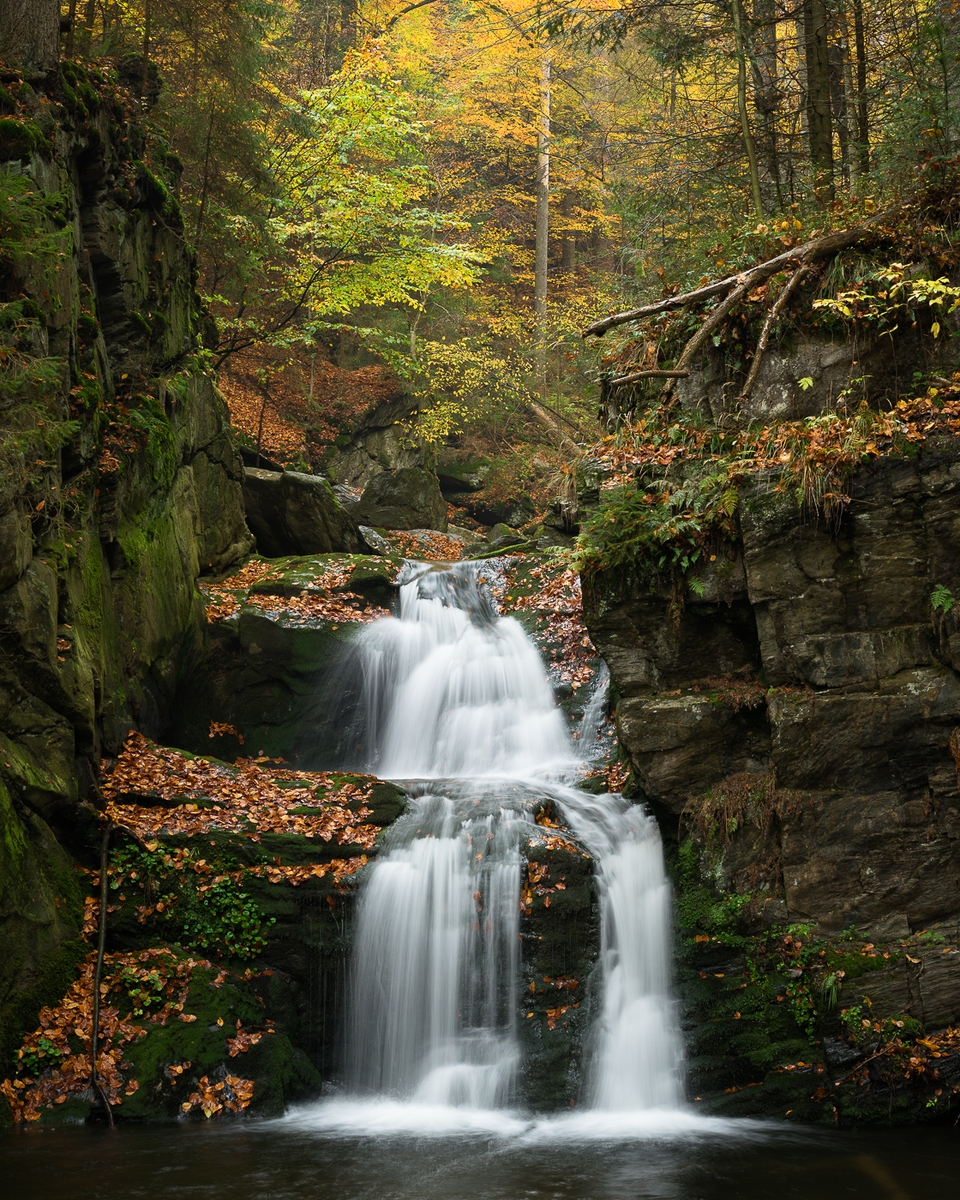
[323, 599]
[54, 1062]
[537, 875]
[427, 545]
[269, 398]
[247, 798]
[254, 411]
[558, 605]
[820, 449]
[231, 1093]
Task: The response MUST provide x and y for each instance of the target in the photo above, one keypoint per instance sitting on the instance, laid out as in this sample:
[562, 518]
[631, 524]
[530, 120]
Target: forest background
[446, 192]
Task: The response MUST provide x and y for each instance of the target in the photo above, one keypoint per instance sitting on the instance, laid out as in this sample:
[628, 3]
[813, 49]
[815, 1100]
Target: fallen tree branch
[807, 253]
[624, 380]
[552, 423]
[709, 325]
[768, 324]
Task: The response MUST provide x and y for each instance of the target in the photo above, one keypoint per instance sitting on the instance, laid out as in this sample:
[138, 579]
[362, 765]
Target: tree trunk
[568, 246]
[819, 125]
[766, 92]
[30, 34]
[841, 114]
[748, 142]
[849, 94]
[542, 193]
[542, 224]
[863, 125]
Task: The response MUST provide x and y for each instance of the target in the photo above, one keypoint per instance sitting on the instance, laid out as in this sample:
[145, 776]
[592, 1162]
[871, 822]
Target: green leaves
[667, 528]
[343, 224]
[942, 600]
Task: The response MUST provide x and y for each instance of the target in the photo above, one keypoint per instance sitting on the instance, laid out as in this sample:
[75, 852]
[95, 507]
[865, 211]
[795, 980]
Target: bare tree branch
[752, 277]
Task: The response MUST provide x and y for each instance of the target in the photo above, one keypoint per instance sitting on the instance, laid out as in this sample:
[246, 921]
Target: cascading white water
[638, 1050]
[452, 690]
[456, 695]
[433, 1011]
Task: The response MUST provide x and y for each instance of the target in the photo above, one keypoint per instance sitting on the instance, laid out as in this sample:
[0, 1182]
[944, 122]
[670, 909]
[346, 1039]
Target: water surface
[499, 1158]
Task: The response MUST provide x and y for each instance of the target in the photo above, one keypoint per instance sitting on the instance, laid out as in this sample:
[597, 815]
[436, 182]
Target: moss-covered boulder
[406, 499]
[293, 513]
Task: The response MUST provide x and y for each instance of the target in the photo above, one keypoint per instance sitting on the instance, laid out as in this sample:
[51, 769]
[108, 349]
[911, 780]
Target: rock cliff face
[815, 668]
[795, 728]
[119, 486]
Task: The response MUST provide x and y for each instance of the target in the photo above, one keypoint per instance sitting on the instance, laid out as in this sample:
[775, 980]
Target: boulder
[405, 499]
[291, 513]
[379, 442]
[501, 535]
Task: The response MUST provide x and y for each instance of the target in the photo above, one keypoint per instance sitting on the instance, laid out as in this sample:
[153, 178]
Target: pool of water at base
[344, 1152]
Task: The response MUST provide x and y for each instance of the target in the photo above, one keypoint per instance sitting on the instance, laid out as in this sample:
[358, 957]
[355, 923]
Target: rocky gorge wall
[792, 718]
[119, 487]
[816, 659]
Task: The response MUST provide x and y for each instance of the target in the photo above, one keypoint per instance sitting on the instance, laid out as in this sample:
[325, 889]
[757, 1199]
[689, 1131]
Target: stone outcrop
[292, 513]
[380, 441]
[406, 499]
[814, 658]
[120, 485]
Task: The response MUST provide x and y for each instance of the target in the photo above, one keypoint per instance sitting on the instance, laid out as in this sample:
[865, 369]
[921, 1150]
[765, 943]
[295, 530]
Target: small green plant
[144, 989]
[37, 1058]
[942, 600]
[226, 919]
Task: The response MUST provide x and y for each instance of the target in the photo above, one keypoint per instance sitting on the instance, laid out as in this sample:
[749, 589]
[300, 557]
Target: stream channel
[454, 704]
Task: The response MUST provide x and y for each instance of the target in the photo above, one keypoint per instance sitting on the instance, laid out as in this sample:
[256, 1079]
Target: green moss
[142, 324]
[280, 1073]
[19, 139]
[81, 98]
[18, 1016]
[88, 327]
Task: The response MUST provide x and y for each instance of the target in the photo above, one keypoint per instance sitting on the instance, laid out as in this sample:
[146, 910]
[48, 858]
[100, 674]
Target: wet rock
[291, 513]
[406, 499]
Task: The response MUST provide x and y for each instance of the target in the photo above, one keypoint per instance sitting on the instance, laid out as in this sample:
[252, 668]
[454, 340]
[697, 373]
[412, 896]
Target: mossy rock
[560, 941]
[280, 1073]
[19, 139]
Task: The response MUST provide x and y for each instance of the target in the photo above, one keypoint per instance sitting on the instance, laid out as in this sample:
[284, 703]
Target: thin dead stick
[97, 974]
[772, 315]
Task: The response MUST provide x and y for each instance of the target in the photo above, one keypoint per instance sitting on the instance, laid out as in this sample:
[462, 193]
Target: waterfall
[450, 689]
[457, 704]
[433, 1010]
[637, 1043]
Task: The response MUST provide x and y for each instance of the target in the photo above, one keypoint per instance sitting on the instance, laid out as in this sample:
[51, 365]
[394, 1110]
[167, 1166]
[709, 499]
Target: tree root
[768, 324]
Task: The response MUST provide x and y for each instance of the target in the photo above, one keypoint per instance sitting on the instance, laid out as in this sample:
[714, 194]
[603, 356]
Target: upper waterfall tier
[450, 689]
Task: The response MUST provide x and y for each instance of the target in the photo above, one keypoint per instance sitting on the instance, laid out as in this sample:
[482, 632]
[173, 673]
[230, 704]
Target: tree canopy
[456, 189]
